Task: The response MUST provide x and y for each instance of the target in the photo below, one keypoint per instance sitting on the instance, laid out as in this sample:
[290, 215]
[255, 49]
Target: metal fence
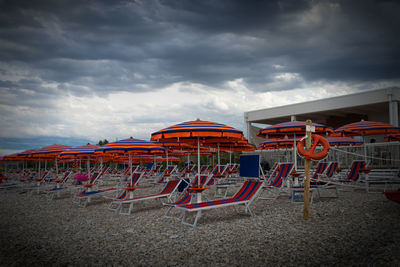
[379, 155]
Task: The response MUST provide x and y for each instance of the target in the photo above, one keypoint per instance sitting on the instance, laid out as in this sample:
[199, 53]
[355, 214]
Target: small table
[198, 191]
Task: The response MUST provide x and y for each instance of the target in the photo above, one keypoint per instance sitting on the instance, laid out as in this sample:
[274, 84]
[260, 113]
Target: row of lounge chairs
[190, 200]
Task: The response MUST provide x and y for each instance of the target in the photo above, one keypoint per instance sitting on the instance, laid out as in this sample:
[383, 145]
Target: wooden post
[307, 163]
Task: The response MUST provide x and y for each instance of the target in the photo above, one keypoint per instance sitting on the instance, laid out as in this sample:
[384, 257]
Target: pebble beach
[356, 229]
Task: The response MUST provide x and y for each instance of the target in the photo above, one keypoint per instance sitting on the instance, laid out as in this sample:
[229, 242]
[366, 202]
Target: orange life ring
[317, 139]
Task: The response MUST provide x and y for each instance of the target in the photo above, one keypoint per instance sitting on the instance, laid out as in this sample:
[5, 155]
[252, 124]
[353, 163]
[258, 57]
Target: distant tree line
[102, 142]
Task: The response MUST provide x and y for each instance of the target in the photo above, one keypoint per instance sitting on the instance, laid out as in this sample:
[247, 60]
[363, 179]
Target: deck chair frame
[245, 196]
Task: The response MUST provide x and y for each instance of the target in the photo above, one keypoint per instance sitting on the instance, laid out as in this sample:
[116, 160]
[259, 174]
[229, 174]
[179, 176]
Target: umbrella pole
[88, 168]
[39, 168]
[198, 169]
[130, 167]
[365, 149]
[167, 157]
[307, 163]
[198, 159]
[188, 164]
[218, 159]
[56, 167]
[295, 152]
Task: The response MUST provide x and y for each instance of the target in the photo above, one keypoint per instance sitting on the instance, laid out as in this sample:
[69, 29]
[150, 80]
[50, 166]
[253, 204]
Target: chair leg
[121, 210]
[166, 215]
[114, 206]
[198, 215]
[49, 195]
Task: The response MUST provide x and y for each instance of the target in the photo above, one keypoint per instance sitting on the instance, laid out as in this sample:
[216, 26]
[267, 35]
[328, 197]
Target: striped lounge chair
[188, 193]
[84, 197]
[58, 185]
[276, 181]
[245, 196]
[125, 200]
[315, 184]
[352, 177]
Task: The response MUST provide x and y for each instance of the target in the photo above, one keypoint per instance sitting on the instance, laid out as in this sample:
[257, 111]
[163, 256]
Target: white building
[377, 105]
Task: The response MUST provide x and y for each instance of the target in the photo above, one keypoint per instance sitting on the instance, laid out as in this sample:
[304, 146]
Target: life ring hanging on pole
[317, 140]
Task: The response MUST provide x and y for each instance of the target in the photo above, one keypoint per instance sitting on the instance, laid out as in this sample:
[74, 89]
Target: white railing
[379, 155]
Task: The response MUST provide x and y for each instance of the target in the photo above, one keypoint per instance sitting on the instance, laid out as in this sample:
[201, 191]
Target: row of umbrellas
[184, 137]
[284, 134]
[195, 136]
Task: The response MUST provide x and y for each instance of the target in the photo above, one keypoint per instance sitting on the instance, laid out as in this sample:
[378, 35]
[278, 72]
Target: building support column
[393, 109]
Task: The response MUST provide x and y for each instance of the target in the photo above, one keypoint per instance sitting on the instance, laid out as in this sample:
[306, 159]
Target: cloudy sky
[74, 72]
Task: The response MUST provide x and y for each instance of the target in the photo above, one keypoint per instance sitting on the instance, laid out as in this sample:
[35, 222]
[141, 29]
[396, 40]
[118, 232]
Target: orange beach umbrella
[131, 146]
[197, 130]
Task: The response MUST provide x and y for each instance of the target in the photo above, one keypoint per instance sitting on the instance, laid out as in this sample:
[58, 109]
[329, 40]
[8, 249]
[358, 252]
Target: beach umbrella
[86, 150]
[11, 157]
[131, 147]
[366, 128]
[293, 129]
[392, 137]
[171, 145]
[48, 152]
[199, 131]
[228, 145]
[277, 143]
[25, 156]
[80, 151]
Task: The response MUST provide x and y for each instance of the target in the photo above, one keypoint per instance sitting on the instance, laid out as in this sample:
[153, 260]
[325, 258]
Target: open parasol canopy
[365, 128]
[49, 151]
[80, 151]
[392, 137]
[199, 131]
[131, 146]
[293, 129]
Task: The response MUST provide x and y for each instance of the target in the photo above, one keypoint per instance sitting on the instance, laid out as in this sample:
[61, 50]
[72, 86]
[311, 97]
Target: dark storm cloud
[108, 46]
